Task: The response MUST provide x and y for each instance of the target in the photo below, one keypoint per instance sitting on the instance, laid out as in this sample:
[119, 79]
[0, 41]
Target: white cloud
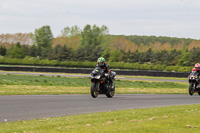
[176, 18]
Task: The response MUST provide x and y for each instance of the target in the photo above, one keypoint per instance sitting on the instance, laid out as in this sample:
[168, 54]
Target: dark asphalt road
[14, 108]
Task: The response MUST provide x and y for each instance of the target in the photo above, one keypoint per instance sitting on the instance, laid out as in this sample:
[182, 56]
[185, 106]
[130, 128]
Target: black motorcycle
[194, 83]
[101, 83]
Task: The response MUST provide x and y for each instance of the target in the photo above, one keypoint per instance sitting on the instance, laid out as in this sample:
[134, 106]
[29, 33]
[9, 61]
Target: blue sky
[172, 18]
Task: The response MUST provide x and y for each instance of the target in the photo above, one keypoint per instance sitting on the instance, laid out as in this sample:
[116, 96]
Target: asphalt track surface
[27, 107]
[15, 108]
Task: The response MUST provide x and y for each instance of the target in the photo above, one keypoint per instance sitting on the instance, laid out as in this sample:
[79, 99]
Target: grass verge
[87, 75]
[38, 85]
[172, 119]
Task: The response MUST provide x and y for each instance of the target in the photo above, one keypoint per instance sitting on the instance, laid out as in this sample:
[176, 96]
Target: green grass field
[171, 119]
[38, 85]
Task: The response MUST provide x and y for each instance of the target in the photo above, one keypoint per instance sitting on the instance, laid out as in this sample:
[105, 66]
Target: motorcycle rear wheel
[94, 90]
[191, 88]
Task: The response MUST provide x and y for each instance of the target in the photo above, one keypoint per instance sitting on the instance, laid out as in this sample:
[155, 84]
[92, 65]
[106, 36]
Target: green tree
[60, 53]
[17, 51]
[134, 57]
[92, 38]
[44, 52]
[173, 57]
[184, 59]
[34, 51]
[43, 37]
[2, 50]
[106, 54]
[194, 56]
[69, 32]
[116, 55]
[93, 35]
[146, 56]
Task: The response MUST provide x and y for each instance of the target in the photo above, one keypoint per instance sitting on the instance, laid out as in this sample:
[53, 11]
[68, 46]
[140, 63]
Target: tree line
[92, 42]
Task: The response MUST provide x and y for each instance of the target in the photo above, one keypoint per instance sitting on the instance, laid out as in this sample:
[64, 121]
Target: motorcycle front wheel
[94, 90]
[111, 93]
[191, 88]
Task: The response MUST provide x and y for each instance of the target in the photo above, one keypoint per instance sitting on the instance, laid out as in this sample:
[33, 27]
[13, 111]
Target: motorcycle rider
[101, 62]
[196, 68]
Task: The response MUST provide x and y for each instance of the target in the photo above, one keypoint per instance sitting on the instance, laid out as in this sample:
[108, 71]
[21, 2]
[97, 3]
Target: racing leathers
[106, 69]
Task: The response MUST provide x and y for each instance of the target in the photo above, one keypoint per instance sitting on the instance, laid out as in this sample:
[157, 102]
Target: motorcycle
[101, 84]
[194, 83]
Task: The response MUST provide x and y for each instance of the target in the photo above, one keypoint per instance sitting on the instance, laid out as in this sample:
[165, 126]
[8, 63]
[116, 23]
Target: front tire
[111, 93]
[94, 90]
[191, 88]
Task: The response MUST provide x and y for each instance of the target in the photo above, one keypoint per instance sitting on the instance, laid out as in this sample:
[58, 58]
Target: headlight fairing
[97, 77]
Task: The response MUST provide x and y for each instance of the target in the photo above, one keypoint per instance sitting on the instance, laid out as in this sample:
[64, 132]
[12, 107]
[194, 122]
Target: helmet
[197, 66]
[101, 61]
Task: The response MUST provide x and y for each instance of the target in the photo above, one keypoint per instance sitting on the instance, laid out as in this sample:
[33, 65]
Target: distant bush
[87, 64]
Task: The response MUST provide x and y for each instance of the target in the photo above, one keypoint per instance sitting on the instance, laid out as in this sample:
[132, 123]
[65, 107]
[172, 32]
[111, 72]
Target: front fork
[194, 86]
[97, 84]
